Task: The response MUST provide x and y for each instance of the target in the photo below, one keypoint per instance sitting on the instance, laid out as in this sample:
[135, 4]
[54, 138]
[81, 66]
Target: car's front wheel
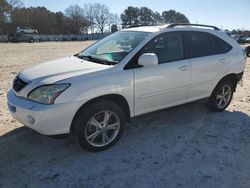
[99, 126]
[221, 96]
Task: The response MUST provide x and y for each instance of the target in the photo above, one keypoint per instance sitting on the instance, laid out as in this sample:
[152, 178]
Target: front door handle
[184, 67]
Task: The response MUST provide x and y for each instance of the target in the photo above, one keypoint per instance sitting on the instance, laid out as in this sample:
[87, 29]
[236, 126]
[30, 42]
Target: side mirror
[148, 59]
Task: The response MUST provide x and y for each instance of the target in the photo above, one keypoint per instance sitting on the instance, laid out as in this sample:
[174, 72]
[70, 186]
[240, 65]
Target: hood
[60, 69]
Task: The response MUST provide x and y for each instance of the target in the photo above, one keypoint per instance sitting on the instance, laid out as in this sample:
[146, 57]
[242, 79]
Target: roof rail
[185, 24]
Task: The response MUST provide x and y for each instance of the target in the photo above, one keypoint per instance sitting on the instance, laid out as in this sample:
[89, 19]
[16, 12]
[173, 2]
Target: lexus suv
[131, 72]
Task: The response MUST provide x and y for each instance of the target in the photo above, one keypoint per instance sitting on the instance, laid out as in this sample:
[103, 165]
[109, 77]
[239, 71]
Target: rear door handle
[184, 67]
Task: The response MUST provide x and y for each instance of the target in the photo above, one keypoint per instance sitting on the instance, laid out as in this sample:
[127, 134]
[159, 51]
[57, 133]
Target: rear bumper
[240, 78]
[46, 119]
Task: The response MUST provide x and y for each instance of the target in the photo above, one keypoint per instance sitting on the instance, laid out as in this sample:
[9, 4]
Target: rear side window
[205, 44]
[219, 45]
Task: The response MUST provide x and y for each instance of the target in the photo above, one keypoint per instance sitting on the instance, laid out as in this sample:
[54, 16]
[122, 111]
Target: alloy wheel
[102, 128]
[223, 96]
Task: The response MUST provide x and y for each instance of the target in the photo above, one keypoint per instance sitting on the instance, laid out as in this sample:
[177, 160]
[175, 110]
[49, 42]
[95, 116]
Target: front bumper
[46, 119]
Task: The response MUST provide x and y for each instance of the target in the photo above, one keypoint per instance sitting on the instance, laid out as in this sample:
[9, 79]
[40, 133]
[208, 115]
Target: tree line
[134, 16]
[89, 18]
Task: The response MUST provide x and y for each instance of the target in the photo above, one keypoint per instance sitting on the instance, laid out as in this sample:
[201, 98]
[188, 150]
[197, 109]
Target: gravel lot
[185, 146]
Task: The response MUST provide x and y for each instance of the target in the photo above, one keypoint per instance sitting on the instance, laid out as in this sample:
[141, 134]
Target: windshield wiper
[105, 61]
[96, 60]
[85, 57]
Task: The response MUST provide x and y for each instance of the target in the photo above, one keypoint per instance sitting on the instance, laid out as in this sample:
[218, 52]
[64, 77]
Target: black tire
[214, 100]
[84, 115]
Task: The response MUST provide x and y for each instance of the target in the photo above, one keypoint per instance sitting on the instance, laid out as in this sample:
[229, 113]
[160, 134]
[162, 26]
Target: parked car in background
[129, 73]
[19, 37]
[26, 30]
[247, 49]
[241, 40]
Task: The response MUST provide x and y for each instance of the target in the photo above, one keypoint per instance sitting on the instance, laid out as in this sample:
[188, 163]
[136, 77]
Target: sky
[225, 14]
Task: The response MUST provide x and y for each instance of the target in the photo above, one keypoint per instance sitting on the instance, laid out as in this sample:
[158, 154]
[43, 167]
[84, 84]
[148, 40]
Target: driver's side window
[168, 47]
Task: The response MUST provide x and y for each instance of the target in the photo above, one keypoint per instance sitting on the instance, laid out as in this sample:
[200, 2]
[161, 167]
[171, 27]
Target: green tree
[146, 16]
[59, 23]
[157, 18]
[114, 28]
[40, 18]
[172, 16]
[4, 9]
[130, 17]
[134, 16]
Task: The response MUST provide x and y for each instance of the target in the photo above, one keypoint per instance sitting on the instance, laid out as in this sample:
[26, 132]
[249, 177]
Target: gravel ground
[185, 146]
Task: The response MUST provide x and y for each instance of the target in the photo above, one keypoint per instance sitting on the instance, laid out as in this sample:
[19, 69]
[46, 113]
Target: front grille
[18, 84]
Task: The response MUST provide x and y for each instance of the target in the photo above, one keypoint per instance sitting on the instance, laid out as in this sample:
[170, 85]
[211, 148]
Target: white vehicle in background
[131, 72]
[26, 30]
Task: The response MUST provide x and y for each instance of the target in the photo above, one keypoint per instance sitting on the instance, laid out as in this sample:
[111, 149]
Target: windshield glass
[113, 48]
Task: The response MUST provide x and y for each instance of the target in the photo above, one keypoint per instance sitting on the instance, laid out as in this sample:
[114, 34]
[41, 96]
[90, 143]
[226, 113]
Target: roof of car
[150, 29]
[153, 29]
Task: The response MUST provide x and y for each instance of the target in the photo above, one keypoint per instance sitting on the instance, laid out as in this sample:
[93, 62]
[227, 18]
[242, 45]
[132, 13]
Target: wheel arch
[233, 77]
[115, 98]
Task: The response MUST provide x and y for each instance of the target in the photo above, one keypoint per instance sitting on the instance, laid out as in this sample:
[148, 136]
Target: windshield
[113, 48]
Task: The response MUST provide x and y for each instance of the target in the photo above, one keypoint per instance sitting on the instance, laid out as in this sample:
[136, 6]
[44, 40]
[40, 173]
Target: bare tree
[101, 16]
[89, 13]
[15, 3]
[114, 23]
[115, 19]
[74, 12]
[78, 21]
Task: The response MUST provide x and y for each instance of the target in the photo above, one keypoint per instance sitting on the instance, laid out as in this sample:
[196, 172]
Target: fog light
[31, 120]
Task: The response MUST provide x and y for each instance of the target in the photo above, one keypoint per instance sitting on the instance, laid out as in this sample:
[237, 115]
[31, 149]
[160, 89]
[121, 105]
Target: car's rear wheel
[221, 96]
[99, 126]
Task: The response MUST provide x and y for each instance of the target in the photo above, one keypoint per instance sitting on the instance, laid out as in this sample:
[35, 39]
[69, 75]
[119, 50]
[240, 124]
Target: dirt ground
[185, 146]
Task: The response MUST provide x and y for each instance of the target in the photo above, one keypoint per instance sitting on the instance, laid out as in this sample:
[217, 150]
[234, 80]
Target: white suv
[26, 30]
[131, 72]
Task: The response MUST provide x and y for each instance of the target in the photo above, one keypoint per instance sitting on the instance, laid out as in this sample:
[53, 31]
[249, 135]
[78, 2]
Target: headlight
[47, 94]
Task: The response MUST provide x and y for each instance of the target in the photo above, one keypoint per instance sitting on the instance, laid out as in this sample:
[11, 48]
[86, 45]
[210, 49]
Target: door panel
[203, 73]
[161, 86]
[207, 57]
[165, 84]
